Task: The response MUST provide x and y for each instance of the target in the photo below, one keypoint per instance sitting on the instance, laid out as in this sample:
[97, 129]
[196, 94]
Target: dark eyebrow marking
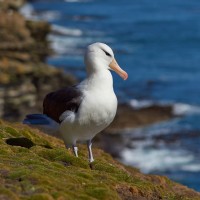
[106, 52]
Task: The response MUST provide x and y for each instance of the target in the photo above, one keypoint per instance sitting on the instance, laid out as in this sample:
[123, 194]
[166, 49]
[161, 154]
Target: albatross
[83, 110]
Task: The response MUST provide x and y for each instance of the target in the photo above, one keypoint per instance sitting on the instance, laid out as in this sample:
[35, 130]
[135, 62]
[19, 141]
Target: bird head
[99, 56]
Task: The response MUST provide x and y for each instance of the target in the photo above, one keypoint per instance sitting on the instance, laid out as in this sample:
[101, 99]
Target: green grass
[48, 170]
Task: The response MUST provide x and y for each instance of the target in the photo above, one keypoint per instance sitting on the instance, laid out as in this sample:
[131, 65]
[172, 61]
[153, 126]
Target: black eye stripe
[106, 53]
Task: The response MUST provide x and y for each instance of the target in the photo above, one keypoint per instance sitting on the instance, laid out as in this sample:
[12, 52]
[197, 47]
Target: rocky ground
[36, 166]
[128, 117]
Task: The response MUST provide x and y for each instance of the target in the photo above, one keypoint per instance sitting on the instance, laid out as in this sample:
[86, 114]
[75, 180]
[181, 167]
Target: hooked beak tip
[114, 66]
[124, 76]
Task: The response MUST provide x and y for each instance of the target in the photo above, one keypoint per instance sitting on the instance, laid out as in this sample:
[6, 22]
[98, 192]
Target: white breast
[96, 112]
[94, 115]
[98, 108]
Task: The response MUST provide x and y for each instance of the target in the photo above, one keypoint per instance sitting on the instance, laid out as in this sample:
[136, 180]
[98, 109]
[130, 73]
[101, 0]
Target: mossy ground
[47, 170]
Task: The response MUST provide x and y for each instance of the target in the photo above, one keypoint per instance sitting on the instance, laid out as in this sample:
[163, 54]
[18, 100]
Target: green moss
[7, 194]
[49, 171]
[40, 197]
[99, 192]
[12, 132]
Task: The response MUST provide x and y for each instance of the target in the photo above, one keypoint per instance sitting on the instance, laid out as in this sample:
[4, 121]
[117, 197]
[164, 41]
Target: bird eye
[106, 53]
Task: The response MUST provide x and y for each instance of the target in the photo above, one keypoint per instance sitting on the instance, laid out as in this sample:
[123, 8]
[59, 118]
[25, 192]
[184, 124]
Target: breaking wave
[60, 30]
[178, 108]
[149, 160]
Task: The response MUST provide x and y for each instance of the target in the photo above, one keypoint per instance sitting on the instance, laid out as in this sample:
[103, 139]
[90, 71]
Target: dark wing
[55, 103]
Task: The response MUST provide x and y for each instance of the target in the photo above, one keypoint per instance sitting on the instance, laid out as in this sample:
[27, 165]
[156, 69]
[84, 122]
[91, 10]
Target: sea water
[158, 44]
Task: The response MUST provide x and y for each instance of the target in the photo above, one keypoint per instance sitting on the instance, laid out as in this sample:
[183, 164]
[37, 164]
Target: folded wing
[58, 102]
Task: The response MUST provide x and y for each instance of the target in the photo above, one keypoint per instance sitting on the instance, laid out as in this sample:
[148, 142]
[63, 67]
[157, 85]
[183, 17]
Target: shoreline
[22, 91]
[28, 82]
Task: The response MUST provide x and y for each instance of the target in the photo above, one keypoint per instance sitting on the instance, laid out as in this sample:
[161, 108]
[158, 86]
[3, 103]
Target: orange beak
[115, 67]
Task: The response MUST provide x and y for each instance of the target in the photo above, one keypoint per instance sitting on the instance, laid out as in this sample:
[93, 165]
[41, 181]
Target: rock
[127, 117]
[23, 40]
[24, 77]
[26, 86]
[39, 31]
[34, 172]
[11, 4]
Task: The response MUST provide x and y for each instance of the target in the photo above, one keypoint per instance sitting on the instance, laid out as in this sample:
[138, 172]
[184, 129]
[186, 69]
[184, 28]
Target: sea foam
[149, 160]
[66, 31]
[178, 108]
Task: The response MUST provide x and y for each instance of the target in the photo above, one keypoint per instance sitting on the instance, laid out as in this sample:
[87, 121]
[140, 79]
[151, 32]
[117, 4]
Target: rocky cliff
[24, 77]
[37, 166]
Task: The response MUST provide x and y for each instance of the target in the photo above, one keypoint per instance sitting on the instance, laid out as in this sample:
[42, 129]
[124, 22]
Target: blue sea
[158, 44]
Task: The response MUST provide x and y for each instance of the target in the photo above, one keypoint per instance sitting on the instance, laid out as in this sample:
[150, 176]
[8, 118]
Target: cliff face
[24, 77]
[37, 166]
[11, 4]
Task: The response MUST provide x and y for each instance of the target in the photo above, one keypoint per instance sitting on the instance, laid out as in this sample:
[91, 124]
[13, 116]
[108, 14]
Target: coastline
[25, 77]
[22, 91]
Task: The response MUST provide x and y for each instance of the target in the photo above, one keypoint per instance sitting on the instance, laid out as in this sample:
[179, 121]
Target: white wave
[62, 45]
[27, 11]
[192, 168]
[185, 109]
[68, 41]
[149, 160]
[49, 15]
[136, 104]
[177, 108]
[66, 31]
[160, 128]
[70, 45]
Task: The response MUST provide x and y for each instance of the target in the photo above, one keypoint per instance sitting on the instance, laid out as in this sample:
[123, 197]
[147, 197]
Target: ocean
[158, 44]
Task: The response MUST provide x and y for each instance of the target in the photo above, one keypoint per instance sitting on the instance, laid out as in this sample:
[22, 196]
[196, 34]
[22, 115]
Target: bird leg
[89, 145]
[75, 149]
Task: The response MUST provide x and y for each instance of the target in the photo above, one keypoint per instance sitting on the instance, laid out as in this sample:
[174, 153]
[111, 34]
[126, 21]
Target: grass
[47, 170]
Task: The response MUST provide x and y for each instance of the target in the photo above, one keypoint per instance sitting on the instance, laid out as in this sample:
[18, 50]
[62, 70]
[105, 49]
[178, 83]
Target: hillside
[36, 166]
[44, 169]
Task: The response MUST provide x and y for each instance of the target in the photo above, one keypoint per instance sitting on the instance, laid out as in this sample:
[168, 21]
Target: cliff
[36, 166]
[24, 77]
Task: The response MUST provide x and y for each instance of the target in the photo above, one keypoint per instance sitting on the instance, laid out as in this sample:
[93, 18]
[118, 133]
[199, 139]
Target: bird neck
[101, 79]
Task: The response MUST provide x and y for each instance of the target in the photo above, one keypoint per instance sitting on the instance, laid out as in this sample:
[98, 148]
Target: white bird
[83, 110]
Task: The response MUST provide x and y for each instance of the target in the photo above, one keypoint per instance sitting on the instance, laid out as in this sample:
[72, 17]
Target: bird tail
[42, 121]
